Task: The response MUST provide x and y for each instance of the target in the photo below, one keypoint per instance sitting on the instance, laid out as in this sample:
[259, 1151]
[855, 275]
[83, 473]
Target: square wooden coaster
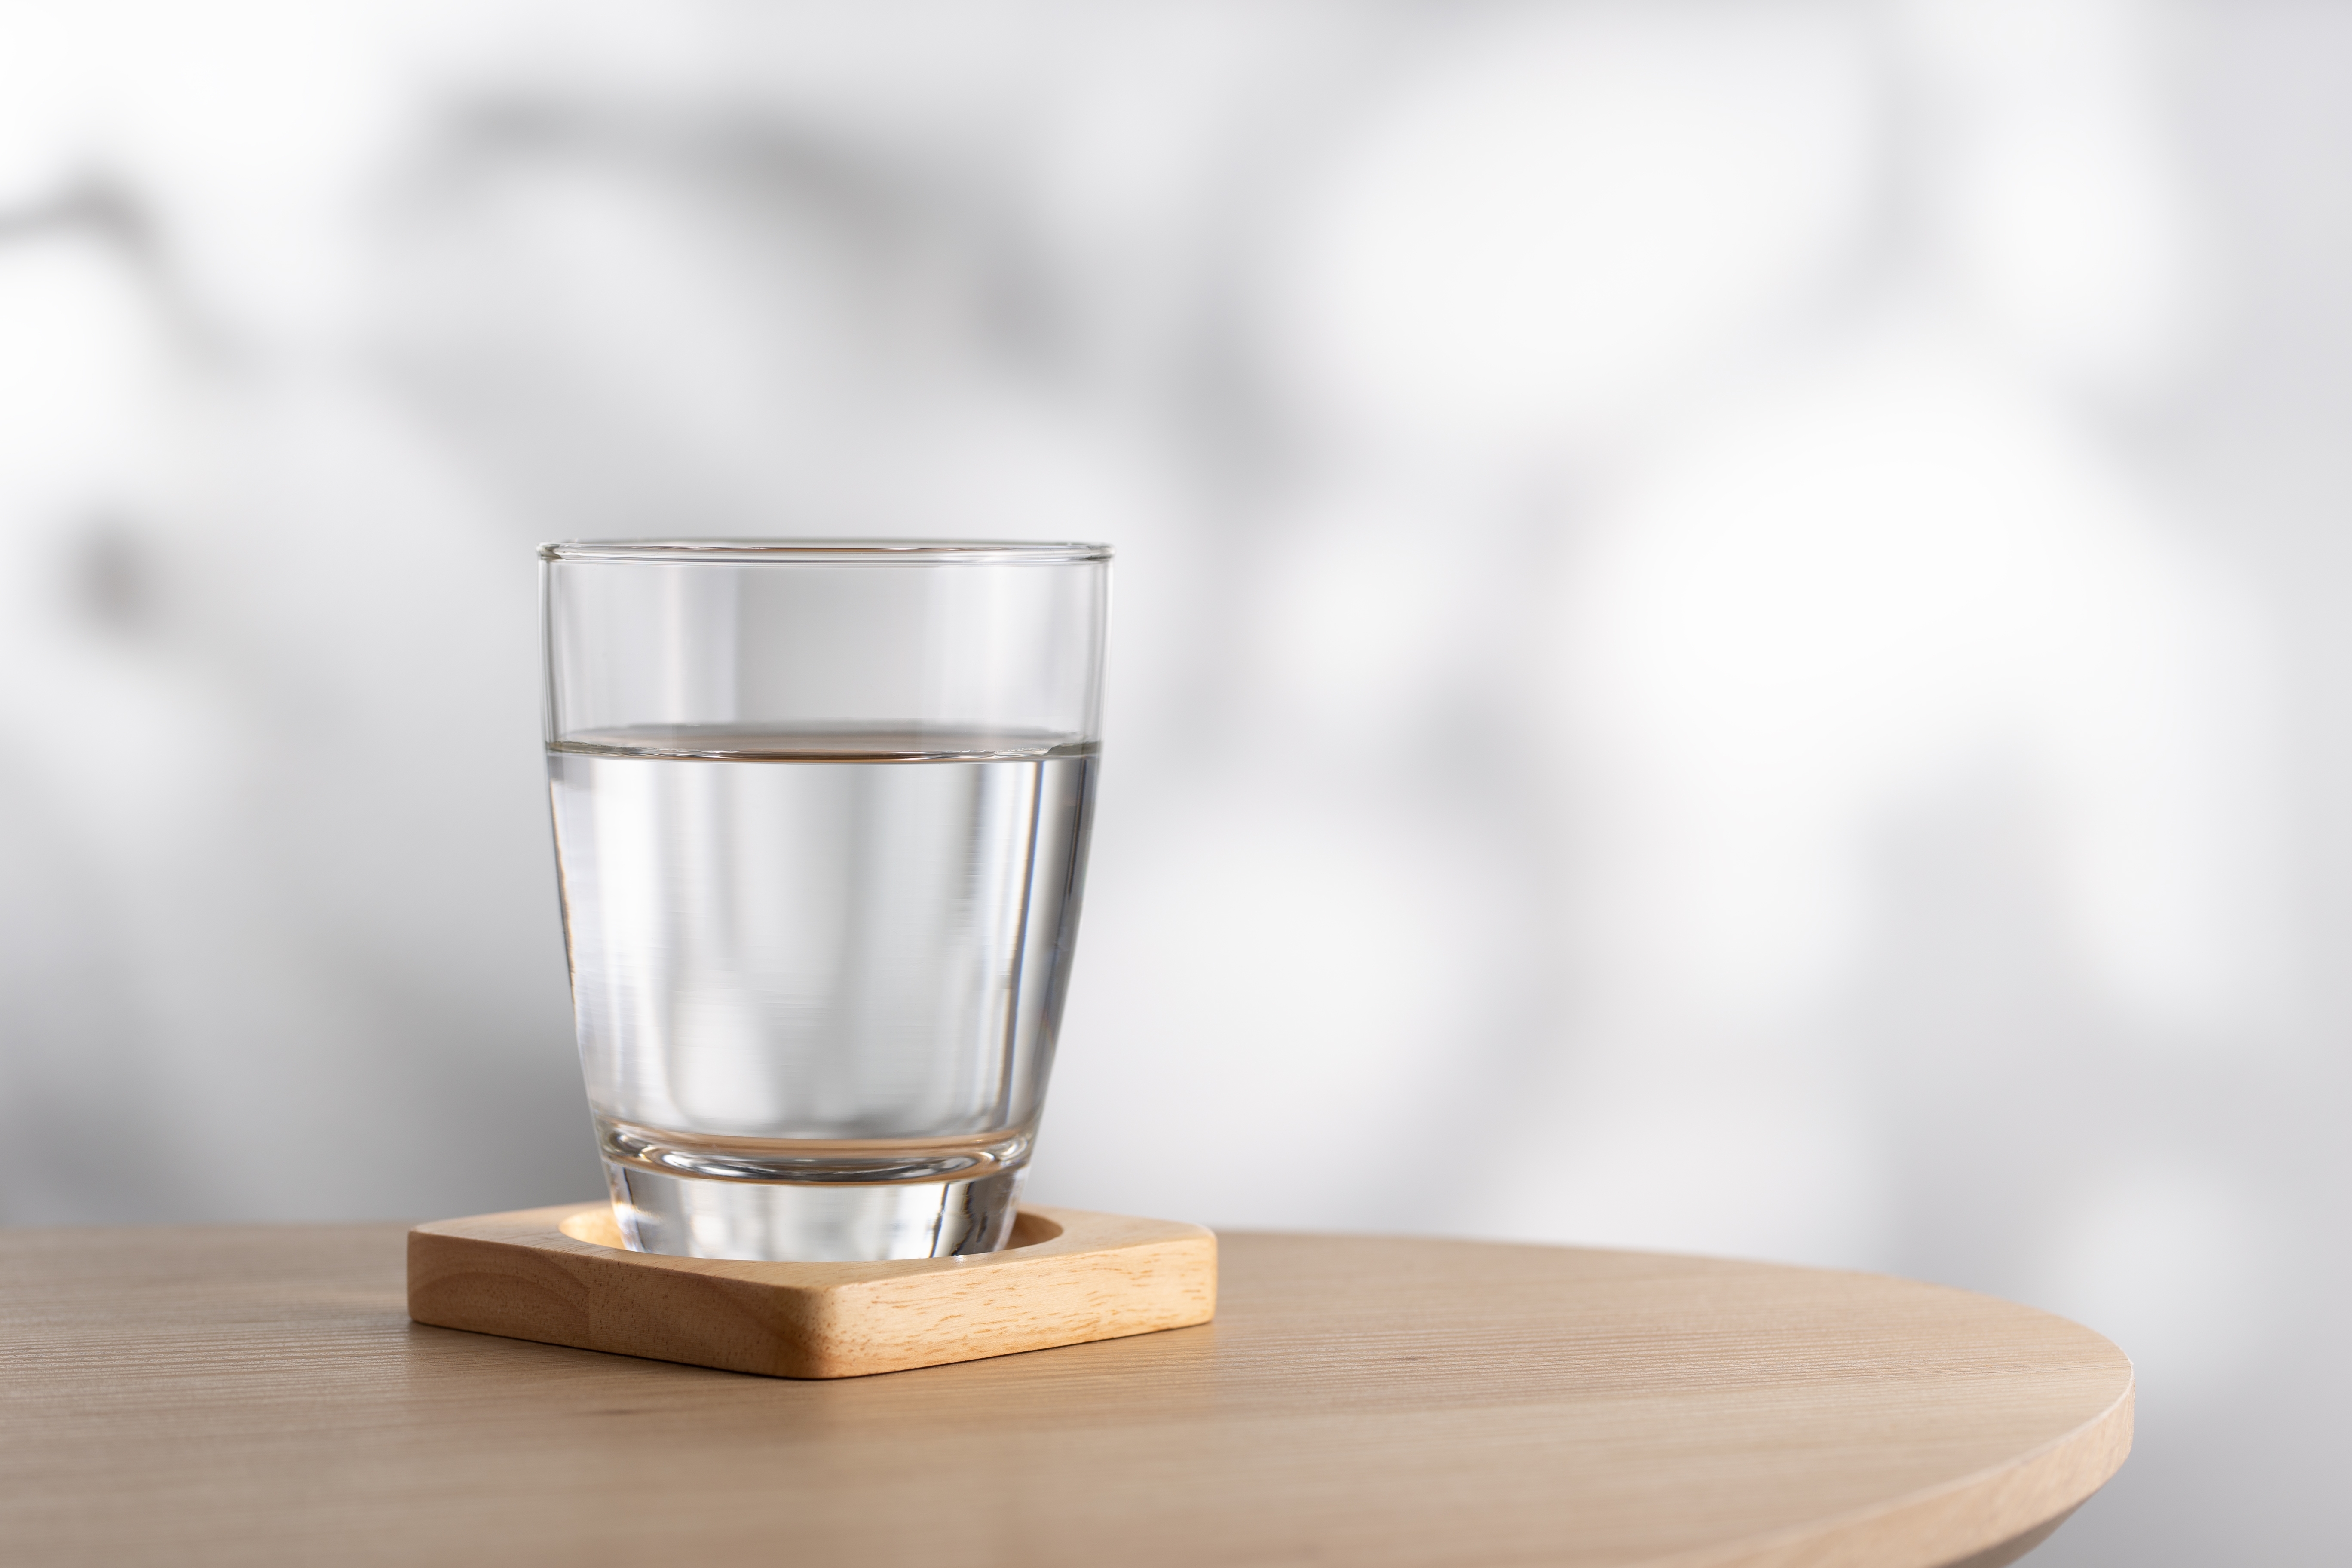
[560, 1276]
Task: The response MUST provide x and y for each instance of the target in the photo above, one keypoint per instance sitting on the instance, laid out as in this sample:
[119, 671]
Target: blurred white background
[1731, 627]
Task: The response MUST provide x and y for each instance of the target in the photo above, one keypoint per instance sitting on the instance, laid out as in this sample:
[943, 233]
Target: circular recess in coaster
[596, 1226]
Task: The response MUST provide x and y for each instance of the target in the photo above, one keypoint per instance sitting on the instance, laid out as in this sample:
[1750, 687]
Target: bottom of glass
[808, 1222]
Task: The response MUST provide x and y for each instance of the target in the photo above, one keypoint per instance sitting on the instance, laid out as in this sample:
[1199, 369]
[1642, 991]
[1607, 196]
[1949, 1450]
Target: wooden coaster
[560, 1276]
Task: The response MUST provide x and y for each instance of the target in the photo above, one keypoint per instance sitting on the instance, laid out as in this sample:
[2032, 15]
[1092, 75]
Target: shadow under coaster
[561, 1277]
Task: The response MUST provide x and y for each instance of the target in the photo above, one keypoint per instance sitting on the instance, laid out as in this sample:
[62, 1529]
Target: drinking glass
[821, 819]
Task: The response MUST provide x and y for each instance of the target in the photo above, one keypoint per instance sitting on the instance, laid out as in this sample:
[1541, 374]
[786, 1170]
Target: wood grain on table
[258, 1395]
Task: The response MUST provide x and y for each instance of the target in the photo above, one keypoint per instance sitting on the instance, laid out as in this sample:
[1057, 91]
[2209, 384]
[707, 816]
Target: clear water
[817, 978]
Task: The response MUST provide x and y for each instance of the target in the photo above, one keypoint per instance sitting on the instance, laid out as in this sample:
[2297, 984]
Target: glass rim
[828, 551]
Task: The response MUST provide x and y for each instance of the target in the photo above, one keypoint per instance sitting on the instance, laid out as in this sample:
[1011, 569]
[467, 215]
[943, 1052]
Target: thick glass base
[810, 1222]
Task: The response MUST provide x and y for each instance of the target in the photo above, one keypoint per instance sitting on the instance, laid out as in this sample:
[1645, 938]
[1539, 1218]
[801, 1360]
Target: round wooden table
[259, 1395]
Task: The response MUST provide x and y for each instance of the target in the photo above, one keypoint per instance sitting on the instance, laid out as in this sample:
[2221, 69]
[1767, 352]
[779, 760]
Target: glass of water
[821, 819]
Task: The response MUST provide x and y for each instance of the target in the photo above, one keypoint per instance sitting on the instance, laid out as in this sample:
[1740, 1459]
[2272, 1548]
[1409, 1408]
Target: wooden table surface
[258, 1396]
